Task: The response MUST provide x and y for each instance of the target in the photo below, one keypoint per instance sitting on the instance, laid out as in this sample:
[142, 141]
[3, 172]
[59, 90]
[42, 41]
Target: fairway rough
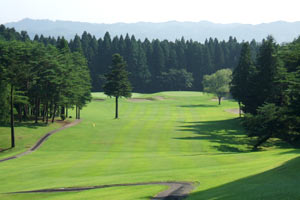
[42, 140]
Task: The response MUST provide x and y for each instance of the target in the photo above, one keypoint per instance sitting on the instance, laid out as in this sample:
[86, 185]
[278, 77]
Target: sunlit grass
[183, 137]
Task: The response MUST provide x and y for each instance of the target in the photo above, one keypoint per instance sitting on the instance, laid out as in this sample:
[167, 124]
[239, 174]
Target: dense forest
[268, 91]
[42, 76]
[153, 65]
[39, 82]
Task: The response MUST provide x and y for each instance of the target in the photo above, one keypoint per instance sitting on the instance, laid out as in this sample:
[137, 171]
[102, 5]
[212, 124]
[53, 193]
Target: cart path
[176, 190]
[41, 141]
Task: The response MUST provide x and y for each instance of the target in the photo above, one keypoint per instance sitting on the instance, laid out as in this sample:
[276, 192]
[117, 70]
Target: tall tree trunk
[219, 98]
[47, 118]
[36, 110]
[53, 114]
[67, 111]
[31, 111]
[44, 112]
[76, 111]
[12, 128]
[240, 112]
[261, 141]
[117, 114]
[51, 109]
[20, 113]
[62, 111]
[25, 109]
[39, 104]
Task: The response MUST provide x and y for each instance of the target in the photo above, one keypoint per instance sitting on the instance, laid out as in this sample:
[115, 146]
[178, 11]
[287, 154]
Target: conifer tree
[241, 78]
[267, 66]
[117, 84]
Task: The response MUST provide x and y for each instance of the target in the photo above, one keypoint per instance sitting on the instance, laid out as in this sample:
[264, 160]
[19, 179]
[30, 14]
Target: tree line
[268, 91]
[39, 82]
[154, 65]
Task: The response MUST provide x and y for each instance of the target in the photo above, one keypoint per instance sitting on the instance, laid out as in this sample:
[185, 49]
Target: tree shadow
[282, 182]
[27, 124]
[6, 149]
[198, 106]
[294, 151]
[229, 135]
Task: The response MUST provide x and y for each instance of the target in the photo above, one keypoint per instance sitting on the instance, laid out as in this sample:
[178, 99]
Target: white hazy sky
[111, 11]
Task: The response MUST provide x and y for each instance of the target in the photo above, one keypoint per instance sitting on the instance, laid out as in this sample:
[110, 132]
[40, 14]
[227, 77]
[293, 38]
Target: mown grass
[185, 137]
[26, 135]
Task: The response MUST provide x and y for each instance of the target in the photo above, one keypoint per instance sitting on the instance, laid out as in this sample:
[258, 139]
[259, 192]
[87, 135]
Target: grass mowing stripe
[185, 138]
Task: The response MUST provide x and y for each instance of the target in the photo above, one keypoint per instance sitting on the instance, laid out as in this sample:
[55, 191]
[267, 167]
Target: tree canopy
[36, 80]
[272, 90]
[218, 83]
[116, 81]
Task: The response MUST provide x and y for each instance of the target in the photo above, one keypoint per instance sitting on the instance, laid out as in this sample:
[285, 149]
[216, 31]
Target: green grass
[26, 135]
[186, 137]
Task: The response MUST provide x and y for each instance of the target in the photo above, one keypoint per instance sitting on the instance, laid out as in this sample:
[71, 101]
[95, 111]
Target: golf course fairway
[167, 136]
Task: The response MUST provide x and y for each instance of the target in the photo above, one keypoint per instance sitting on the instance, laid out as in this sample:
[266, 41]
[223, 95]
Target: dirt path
[176, 190]
[42, 140]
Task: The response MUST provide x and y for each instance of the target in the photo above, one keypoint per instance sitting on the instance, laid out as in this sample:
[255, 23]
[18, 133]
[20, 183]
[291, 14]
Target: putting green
[180, 136]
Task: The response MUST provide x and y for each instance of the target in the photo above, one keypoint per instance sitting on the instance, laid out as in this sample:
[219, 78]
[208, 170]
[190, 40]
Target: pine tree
[14, 58]
[117, 84]
[241, 78]
[267, 65]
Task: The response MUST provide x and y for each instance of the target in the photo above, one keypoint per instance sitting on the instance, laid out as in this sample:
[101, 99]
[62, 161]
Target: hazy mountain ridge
[198, 31]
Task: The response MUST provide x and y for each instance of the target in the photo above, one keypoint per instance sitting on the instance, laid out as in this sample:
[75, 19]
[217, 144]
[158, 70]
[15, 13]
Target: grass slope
[185, 137]
[26, 135]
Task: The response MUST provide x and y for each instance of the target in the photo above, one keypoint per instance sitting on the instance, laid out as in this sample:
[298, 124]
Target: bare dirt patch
[233, 110]
[62, 122]
[98, 99]
[216, 99]
[140, 99]
[160, 98]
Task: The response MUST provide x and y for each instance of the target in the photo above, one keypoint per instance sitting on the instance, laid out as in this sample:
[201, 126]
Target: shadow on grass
[27, 124]
[198, 106]
[228, 134]
[282, 182]
[3, 150]
[294, 151]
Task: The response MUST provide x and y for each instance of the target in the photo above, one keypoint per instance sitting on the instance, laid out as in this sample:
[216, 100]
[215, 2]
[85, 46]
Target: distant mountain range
[197, 31]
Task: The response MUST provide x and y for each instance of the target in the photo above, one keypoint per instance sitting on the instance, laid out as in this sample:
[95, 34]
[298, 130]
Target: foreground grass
[186, 137]
[26, 135]
[124, 193]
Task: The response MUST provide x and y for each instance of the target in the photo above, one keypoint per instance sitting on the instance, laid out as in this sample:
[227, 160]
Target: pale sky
[111, 11]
